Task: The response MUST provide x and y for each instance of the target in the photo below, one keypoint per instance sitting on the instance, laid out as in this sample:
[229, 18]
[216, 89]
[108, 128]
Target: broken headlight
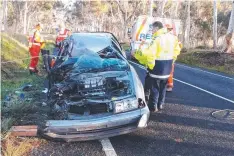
[125, 105]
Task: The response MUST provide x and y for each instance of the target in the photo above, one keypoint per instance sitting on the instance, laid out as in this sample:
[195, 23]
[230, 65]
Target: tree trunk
[162, 8]
[176, 9]
[111, 10]
[4, 13]
[2, 17]
[28, 22]
[151, 8]
[215, 24]
[231, 21]
[229, 36]
[25, 16]
[187, 28]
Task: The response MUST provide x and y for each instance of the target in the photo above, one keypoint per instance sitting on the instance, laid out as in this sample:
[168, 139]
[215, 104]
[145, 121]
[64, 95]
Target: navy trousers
[157, 92]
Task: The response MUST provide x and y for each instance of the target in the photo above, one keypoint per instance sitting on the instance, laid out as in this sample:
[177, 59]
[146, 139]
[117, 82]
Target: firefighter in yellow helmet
[158, 58]
[37, 43]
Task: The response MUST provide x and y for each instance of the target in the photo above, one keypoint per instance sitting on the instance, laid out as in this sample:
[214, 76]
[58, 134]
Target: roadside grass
[13, 50]
[15, 146]
[6, 124]
[14, 75]
[11, 85]
[16, 110]
[216, 61]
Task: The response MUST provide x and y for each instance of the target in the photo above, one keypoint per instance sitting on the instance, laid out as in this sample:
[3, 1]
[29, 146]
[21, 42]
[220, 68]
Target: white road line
[221, 97]
[205, 71]
[142, 67]
[107, 147]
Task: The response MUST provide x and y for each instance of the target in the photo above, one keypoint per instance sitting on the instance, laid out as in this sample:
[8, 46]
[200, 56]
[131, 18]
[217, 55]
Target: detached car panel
[94, 92]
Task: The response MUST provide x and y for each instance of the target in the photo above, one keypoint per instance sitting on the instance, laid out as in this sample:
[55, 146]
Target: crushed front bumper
[97, 127]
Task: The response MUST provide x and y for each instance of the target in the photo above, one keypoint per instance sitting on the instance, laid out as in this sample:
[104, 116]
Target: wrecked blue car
[94, 92]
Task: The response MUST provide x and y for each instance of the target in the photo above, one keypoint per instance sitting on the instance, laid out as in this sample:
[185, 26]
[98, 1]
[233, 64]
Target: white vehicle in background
[142, 30]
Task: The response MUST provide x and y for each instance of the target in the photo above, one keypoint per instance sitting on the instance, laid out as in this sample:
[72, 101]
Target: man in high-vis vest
[158, 58]
[63, 33]
[37, 44]
[170, 83]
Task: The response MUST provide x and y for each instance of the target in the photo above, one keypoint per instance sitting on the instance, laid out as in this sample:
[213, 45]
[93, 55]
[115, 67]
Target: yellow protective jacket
[159, 56]
[38, 40]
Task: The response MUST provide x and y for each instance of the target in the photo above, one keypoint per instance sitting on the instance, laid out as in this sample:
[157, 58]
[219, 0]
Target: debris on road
[30, 130]
[223, 114]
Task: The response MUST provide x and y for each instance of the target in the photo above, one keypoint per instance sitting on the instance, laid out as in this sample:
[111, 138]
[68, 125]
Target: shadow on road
[183, 128]
[187, 121]
[140, 145]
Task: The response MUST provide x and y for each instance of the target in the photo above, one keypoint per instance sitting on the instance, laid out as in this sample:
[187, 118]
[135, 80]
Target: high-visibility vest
[36, 40]
[62, 36]
[158, 57]
[142, 58]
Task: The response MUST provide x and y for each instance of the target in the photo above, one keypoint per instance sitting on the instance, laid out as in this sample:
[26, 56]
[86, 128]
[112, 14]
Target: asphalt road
[185, 127]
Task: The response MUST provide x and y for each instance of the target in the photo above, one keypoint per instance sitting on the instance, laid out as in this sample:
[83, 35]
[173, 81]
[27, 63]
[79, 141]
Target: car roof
[98, 34]
[106, 35]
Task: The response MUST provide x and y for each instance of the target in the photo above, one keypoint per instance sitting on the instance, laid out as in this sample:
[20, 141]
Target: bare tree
[160, 11]
[4, 14]
[187, 27]
[215, 24]
[126, 12]
[228, 47]
[176, 9]
[231, 21]
[25, 16]
[151, 7]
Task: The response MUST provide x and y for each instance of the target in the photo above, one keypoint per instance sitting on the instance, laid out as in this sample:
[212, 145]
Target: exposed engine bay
[91, 93]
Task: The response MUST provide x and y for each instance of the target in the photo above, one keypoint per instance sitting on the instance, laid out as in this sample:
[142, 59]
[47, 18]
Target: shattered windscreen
[94, 53]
